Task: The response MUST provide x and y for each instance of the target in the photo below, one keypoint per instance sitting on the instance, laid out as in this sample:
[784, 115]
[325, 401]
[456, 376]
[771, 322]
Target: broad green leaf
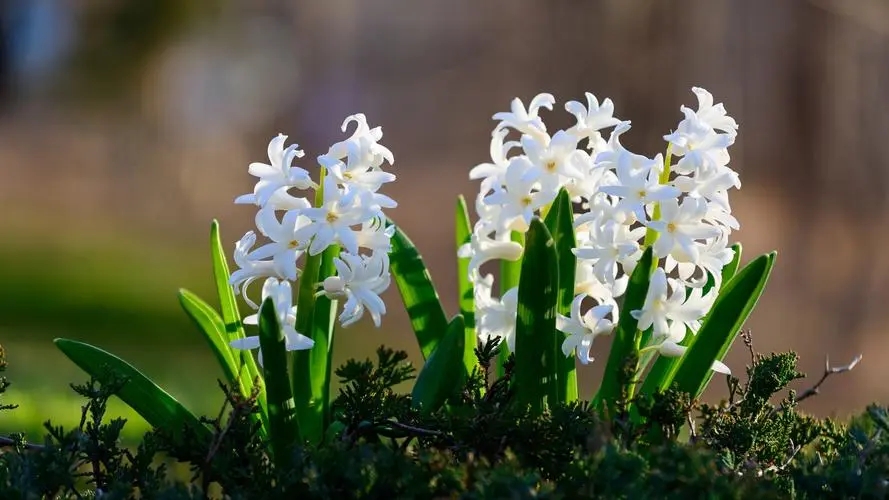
[463, 233]
[312, 386]
[155, 405]
[626, 336]
[510, 273]
[283, 423]
[537, 342]
[233, 328]
[722, 325]
[560, 222]
[443, 373]
[665, 367]
[417, 292]
[227, 301]
[211, 326]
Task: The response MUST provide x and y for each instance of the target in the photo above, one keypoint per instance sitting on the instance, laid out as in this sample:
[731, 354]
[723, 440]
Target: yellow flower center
[332, 217]
[551, 166]
[293, 244]
[671, 227]
[526, 200]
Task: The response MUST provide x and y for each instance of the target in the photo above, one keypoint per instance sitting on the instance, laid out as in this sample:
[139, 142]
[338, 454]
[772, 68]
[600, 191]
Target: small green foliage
[482, 444]
[367, 395]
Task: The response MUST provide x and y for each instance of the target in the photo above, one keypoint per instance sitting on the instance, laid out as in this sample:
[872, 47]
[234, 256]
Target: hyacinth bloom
[497, 316]
[350, 215]
[624, 202]
[360, 280]
[282, 297]
[581, 329]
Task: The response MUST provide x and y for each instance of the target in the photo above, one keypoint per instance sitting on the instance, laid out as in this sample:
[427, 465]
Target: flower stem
[651, 234]
[310, 369]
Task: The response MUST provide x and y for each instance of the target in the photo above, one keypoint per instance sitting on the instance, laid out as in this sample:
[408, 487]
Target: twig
[692, 432]
[747, 337]
[794, 449]
[5, 441]
[415, 430]
[828, 371]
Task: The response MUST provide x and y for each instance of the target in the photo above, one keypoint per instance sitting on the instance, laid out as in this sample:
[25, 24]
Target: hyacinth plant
[591, 239]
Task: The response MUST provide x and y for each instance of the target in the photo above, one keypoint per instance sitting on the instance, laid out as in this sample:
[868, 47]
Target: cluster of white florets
[625, 202]
[349, 214]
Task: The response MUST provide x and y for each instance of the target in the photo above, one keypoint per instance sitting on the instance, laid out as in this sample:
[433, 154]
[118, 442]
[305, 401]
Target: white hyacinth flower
[482, 248]
[556, 161]
[249, 269]
[591, 119]
[671, 349]
[360, 280]
[278, 175]
[638, 186]
[333, 221]
[667, 310]
[524, 120]
[282, 298]
[350, 215]
[679, 226]
[582, 329]
[492, 174]
[493, 317]
[518, 198]
[286, 246]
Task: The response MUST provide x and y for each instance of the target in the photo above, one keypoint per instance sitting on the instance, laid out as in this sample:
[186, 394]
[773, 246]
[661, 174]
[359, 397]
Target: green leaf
[155, 405]
[730, 269]
[463, 230]
[537, 342]
[722, 325]
[211, 326]
[665, 367]
[510, 273]
[560, 222]
[227, 301]
[443, 373]
[283, 422]
[312, 385]
[625, 345]
[213, 329]
[417, 292]
[232, 326]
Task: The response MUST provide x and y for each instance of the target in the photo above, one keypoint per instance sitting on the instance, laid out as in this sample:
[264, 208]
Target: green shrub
[482, 444]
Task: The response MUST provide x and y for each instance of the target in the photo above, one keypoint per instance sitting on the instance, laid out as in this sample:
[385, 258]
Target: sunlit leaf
[537, 342]
[625, 345]
[560, 222]
[283, 422]
[466, 293]
[155, 405]
[723, 323]
[418, 293]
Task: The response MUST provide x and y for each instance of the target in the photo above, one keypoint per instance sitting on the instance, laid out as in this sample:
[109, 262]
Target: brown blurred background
[125, 127]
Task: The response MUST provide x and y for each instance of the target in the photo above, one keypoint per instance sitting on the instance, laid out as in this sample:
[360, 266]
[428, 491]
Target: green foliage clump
[481, 444]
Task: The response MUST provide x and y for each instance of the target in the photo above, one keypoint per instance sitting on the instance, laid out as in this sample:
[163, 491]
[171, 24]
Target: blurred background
[126, 127]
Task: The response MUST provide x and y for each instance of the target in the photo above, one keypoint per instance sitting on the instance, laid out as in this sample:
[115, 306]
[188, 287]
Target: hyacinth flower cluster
[591, 239]
[624, 202]
[349, 214]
